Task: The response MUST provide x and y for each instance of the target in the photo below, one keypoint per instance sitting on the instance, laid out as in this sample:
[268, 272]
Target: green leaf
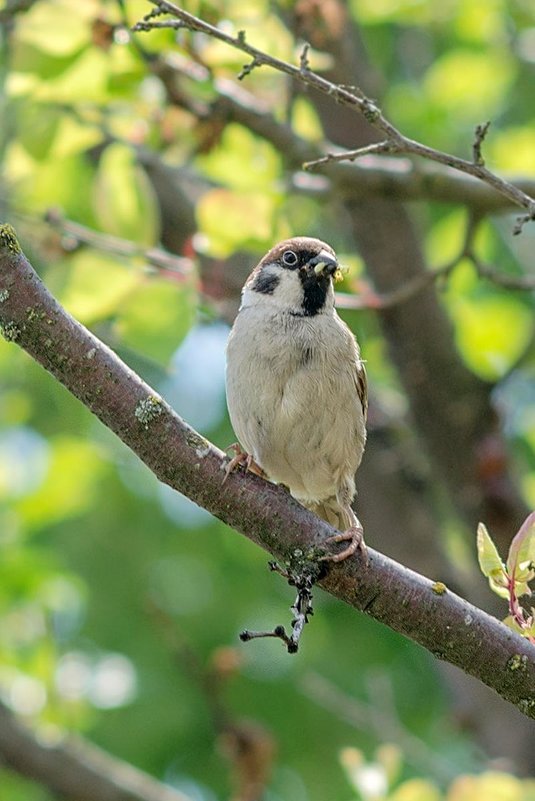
[492, 332]
[513, 149]
[96, 285]
[73, 137]
[70, 486]
[239, 147]
[123, 197]
[235, 220]
[450, 82]
[490, 563]
[51, 182]
[487, 553]
[156, 318]
[54, 28]
[522, 550]
[38, 125]
[85, 80]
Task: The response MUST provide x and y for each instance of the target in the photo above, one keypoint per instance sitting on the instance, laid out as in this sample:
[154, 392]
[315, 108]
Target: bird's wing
[361, 382]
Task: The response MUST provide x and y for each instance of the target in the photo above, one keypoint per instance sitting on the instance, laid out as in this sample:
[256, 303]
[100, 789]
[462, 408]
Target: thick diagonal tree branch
[445, 624]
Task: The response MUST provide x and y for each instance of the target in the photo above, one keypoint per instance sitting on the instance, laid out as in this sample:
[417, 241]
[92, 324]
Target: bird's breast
[292, 399]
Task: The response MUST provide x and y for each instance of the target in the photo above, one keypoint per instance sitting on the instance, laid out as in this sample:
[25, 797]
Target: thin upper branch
[445, 624]
[395, 141]
[395, 178]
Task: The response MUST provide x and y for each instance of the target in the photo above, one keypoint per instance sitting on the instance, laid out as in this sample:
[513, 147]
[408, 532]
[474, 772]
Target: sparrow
[296, 385]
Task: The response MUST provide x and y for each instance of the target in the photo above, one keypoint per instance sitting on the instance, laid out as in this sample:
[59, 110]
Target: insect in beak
[324, 263]
[336, 271]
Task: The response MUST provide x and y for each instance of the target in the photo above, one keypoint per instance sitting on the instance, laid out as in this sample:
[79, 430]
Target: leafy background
[121, 601]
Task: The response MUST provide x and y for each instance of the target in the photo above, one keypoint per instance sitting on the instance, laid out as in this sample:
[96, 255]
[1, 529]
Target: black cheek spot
[266, 283]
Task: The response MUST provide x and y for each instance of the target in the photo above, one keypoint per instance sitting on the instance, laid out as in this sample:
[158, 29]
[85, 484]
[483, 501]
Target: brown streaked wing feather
[361, 381]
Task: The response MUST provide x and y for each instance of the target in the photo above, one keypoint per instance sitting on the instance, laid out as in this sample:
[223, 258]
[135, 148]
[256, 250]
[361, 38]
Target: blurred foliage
[100, 563]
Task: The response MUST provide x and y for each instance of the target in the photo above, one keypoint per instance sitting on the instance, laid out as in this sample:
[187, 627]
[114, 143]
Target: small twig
[146, 24]
[521, 221]
[521, 283]
[304, 63]
[156, 257]
[248, 68]
[278, 632]
[387, 300]
[303, 578]
[379, 302]
[481, 132]
[352, 155]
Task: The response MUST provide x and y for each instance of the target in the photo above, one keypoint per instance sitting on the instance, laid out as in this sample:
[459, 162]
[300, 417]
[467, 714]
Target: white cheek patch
[286, 290]
[289, 292]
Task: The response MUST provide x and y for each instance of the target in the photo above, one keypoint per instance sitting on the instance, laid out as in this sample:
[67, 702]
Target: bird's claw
[242, 459]
[355, 537]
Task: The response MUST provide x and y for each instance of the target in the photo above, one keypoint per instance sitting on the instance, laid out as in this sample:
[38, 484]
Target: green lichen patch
[10, 331]
[33, 315]
[8, 238]
[148, 409]
[439, 588]
[517, 662]
[4, 295]
[527, 706]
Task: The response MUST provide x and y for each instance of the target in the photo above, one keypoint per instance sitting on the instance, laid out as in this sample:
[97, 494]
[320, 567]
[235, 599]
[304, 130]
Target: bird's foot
[242, 459]
[355, 536]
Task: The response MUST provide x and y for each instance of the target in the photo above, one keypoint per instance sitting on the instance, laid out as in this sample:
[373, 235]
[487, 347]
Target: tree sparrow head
[296, 275]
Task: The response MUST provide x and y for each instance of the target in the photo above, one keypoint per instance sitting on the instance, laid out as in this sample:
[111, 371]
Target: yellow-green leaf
[38, 125]
[490, 563]
[97, 284]
[522, 548]
[68, 490]
[234, 220]
[123, 197]
[55, 27]
[492, 332]
[416, 790]
[242, 161]
[487, 553]
[468, 83]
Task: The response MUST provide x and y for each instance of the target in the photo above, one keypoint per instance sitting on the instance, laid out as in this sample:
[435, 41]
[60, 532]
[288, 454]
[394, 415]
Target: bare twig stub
[303, 577]
[445, 624]
[480, 134]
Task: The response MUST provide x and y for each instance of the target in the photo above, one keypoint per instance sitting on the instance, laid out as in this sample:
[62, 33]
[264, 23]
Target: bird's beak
[325, 263]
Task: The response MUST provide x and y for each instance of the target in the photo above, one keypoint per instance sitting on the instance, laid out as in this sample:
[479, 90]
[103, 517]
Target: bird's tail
[334, 513]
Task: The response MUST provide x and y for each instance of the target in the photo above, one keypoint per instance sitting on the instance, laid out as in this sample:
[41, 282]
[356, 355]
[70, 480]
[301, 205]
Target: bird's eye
[289, 258]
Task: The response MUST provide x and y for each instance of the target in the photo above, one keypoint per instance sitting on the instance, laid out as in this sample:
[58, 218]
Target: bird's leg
[242, 459]
[354, 535]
